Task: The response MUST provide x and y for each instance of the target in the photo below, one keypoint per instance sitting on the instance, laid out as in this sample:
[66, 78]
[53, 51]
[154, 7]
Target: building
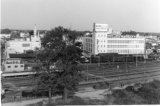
[79, 39]
[158, 39]
[19, 46]
[102, 40]
[12, 65]
[5, 36]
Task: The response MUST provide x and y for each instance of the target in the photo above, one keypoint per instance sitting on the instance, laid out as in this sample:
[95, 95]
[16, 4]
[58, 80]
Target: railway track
[122, 66]
[123, 81]
[116, 81]
[133, 80]
[30, 82]
[113, 63]
[113, 82]
[131, 73]
[116, 73]
[111, 75]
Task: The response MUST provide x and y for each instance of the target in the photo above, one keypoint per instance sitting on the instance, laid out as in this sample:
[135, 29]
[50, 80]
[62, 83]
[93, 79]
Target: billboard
[100, 27]
[13, 61]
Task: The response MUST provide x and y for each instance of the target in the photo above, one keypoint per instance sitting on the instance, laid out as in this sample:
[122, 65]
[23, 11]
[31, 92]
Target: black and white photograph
[80, 52]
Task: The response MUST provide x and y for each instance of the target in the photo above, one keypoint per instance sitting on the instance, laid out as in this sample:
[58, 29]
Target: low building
[19, 46]
[5, 36]
[158, 39]
[13, 65]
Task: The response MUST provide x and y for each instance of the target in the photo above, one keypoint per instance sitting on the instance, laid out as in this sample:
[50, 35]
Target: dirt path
[27, 102]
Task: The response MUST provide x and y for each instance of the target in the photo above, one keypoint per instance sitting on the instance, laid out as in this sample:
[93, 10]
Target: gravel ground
[27, 102]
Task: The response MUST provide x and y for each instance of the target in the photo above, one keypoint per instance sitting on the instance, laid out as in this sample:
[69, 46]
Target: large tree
[15, 34]
[59, 69]
[47, 76]
[70, 74]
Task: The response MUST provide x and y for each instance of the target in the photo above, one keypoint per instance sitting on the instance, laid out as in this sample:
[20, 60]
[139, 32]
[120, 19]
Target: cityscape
[98, 64]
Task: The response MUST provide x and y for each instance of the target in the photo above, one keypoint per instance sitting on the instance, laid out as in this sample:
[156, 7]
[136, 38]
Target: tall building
[102, 40]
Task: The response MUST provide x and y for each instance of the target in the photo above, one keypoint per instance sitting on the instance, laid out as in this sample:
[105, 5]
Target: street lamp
[126, 63]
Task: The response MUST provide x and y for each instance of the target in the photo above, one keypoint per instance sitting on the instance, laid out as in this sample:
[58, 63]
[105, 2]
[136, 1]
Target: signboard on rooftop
[13, 61]
[100, 27]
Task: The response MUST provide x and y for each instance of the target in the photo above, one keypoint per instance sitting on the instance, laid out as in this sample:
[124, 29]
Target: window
[16, 66]
[9, 67]
[21, 65]
[26, 45]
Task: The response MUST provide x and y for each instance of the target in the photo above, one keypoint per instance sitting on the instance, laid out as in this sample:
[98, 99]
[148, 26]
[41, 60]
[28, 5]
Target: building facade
[19, 46]
[104, 41]
[12, 65]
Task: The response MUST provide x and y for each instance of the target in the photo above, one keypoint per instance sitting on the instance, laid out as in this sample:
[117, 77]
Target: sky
[137, 15]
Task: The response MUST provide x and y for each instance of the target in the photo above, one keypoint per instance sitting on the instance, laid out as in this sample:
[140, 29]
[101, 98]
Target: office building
[102, 40]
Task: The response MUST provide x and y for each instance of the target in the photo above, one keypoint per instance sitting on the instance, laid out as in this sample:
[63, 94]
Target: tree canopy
[5, 31]
[59, 69]
[129, 33]
[15, 34]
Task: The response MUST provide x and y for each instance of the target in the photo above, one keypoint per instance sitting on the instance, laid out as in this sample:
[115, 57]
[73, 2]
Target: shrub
[151, 95]
[130, 89]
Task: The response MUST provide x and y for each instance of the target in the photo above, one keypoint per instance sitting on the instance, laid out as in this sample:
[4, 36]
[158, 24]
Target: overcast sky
[138, 15]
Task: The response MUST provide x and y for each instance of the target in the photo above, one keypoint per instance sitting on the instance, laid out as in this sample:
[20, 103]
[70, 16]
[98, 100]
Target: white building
[158, 39]
[5, 35]
[103, 41]
[79, 39]
[11, 65]
[19, 46]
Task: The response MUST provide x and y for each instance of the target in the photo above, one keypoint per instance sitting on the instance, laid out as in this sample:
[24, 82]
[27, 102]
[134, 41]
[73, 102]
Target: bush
[122, 97]
[101, 85]
[152, 96]
[130, 89]
[118, 93]
[77, 101]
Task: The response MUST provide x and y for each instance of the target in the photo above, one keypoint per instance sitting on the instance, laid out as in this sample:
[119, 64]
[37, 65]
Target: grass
[149, 93]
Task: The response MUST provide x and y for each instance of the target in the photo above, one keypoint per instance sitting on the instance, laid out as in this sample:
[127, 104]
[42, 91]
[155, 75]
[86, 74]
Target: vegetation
[15, 34]
[129, 33]
[5, 31]
[149, 93]
[59, 58]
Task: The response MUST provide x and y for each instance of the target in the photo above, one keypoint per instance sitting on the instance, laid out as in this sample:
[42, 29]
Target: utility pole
[87, 72]
[126, 63]
[99, 61]
[136, 61]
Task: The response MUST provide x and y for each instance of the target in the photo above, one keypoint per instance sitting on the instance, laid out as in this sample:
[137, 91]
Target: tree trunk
[65, 94]
[49, 93]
